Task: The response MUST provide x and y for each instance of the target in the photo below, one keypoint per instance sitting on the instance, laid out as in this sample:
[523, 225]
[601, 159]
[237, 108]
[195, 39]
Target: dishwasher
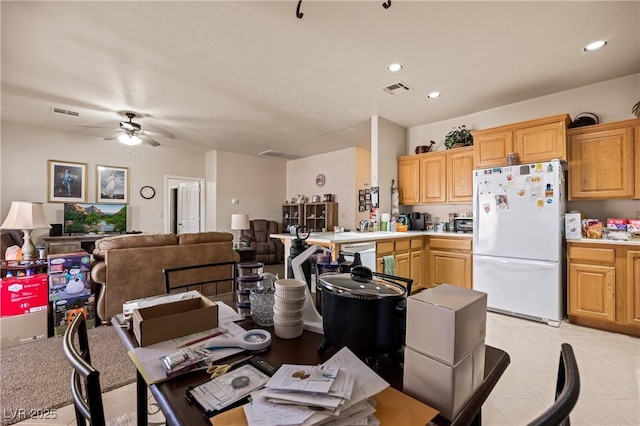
[367, 253]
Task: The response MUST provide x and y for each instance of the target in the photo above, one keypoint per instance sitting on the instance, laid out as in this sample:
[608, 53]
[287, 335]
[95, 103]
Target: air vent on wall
[398, 87]
[278, 154]
[63, 111]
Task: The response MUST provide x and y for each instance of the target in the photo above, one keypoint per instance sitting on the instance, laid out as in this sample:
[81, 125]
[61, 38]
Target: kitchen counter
[602, 241]
[358, 237]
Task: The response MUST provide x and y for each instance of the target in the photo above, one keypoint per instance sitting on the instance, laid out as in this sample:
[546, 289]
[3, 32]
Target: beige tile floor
[609, 367]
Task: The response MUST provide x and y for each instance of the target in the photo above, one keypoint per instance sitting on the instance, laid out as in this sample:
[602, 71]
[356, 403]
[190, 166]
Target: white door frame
[167, 198]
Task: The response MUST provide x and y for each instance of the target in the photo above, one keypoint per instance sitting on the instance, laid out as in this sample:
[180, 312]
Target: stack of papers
[338, 392]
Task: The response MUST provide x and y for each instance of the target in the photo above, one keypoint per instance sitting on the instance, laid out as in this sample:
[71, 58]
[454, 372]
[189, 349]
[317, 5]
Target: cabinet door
[633, 287]
[541, 143]
[460, 176]
[409, 181]
[433, 178]
[491, 148]
[449, 268]
[592, 291]
[636, 132]
[402, 265]
[601, 164]
[415, 259]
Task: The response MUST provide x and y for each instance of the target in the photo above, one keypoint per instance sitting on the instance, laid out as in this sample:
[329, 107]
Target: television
[84, 218]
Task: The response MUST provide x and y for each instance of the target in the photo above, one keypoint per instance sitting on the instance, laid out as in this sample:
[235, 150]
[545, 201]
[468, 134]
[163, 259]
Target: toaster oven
[463, 224]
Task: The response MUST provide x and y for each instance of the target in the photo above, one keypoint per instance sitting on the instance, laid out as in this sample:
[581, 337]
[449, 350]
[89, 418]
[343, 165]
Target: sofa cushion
[204, 237]
[132, 241]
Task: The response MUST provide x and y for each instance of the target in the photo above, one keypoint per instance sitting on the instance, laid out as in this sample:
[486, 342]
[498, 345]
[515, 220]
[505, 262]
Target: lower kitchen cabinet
[408, 259]
[604, 286]
[449, 261]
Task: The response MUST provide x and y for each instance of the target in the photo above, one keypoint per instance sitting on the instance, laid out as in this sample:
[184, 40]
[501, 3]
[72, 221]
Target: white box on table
[446, 322]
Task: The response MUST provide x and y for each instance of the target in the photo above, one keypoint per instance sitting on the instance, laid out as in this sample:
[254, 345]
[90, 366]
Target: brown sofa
[129, 267]
[268, 250]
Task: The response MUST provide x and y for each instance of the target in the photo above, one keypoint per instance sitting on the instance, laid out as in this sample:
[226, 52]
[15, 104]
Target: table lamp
[239, 222]
[26, 216]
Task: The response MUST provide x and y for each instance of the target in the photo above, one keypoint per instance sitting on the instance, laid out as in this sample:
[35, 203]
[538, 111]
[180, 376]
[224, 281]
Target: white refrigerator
[517, 239]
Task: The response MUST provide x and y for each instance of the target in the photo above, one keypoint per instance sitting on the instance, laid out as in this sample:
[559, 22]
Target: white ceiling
[248, 76]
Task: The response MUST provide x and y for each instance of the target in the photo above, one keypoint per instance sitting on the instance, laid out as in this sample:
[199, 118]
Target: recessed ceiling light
[395, 67]
[433, 95]
[596, 45]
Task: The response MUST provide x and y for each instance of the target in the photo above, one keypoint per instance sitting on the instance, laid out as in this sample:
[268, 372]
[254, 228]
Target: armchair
[268, 250]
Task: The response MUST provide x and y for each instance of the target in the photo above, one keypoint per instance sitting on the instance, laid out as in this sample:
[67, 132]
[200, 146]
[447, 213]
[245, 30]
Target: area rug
[36, 376]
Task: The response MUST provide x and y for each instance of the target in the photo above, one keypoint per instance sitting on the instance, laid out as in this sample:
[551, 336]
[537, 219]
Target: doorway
[185, 205]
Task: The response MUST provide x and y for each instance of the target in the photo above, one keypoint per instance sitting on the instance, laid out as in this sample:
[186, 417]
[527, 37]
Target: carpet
[36, 376]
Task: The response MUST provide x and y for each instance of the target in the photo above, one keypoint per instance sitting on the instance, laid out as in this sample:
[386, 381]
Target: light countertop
[603, 241]
[355, 237]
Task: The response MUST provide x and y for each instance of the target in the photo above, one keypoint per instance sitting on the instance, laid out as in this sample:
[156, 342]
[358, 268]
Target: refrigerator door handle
[476, 214]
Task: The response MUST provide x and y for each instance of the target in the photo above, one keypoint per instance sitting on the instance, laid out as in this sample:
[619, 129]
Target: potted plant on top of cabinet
[459, 136]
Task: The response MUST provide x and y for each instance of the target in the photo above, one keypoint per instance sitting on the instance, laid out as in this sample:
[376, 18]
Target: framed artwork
[67, 182]
[315, 199]
[112, 184]
[327, 197]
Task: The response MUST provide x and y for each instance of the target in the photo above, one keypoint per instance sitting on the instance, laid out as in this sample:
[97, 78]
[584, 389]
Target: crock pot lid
[376, 287]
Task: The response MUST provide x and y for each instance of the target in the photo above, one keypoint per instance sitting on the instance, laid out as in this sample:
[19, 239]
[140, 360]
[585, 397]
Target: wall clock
[320, 180]
[147, 192]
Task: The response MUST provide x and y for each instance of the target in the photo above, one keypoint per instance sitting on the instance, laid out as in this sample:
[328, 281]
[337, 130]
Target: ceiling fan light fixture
[131, 140]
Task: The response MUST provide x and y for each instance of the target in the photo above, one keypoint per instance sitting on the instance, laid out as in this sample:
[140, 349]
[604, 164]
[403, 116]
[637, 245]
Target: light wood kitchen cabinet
[601, 161]
[409, 180]
[538, 140]
[408, 259]
[636, 134]
[633, 287]
[442, 176]
[603, 286]
[449, 261]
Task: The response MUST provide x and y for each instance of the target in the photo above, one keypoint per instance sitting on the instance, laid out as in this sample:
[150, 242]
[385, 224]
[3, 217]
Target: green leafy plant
[459, 136]
[636, 109]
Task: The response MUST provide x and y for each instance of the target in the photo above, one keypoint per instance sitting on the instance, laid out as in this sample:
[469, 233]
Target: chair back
[85, 380]
[567, 391]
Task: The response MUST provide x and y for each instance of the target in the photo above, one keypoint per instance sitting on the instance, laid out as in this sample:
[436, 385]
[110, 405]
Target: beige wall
[24, 155]
[610, 100]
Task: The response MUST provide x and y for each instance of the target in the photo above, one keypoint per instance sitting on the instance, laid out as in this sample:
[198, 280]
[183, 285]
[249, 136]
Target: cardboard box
[573, 226]
[69, 275]
[20, 329]
[633, 228]
[170, 320]
[446, 322]
[443, 386]
[23, 295]
[65, 310]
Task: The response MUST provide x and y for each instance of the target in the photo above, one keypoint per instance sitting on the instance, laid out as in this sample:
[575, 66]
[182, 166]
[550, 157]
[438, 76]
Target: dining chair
[85, 380]
[567, 391]
[205, 277]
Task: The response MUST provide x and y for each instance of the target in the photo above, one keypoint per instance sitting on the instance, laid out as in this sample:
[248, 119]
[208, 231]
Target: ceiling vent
[63, 111]
[278, 154]
[398, 87]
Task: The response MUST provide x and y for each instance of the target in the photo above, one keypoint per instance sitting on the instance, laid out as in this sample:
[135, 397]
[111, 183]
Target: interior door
[188, 207]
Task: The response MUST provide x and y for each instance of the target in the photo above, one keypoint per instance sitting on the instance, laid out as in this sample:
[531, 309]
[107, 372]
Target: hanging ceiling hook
[386, 4]
[298, 14]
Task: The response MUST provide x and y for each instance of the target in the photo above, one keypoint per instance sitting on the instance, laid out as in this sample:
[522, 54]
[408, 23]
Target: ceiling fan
[131, 133]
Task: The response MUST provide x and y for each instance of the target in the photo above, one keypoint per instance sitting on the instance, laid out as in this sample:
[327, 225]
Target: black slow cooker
[364, 311]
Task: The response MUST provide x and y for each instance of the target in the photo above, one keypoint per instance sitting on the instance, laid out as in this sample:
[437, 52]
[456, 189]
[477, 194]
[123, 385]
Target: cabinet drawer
[416, 243]
[596, 255]
[402, 245]
[450, 244]
[384, 247]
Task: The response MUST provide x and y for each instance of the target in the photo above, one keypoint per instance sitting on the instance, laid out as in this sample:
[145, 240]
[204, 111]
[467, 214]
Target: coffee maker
[418, 221]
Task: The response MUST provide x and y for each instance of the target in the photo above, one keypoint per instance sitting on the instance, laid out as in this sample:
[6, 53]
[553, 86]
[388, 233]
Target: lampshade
[129, 139]
[25, 215]
[239, 221]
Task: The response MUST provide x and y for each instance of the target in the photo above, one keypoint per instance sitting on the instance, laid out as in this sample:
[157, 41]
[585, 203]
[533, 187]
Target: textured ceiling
[249, 76]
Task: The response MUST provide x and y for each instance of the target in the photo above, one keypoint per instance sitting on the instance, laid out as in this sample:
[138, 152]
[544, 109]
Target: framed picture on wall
[67, 181]
[112, 184]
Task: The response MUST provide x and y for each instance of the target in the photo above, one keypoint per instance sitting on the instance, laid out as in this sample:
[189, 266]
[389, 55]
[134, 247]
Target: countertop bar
[357, 237]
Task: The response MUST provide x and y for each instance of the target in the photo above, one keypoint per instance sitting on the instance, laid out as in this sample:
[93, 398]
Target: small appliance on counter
[463, 224]
[418, 221]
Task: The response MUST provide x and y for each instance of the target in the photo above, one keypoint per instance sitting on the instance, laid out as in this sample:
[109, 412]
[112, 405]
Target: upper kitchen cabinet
[601, 161]
[538, 140]
[436, 177]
